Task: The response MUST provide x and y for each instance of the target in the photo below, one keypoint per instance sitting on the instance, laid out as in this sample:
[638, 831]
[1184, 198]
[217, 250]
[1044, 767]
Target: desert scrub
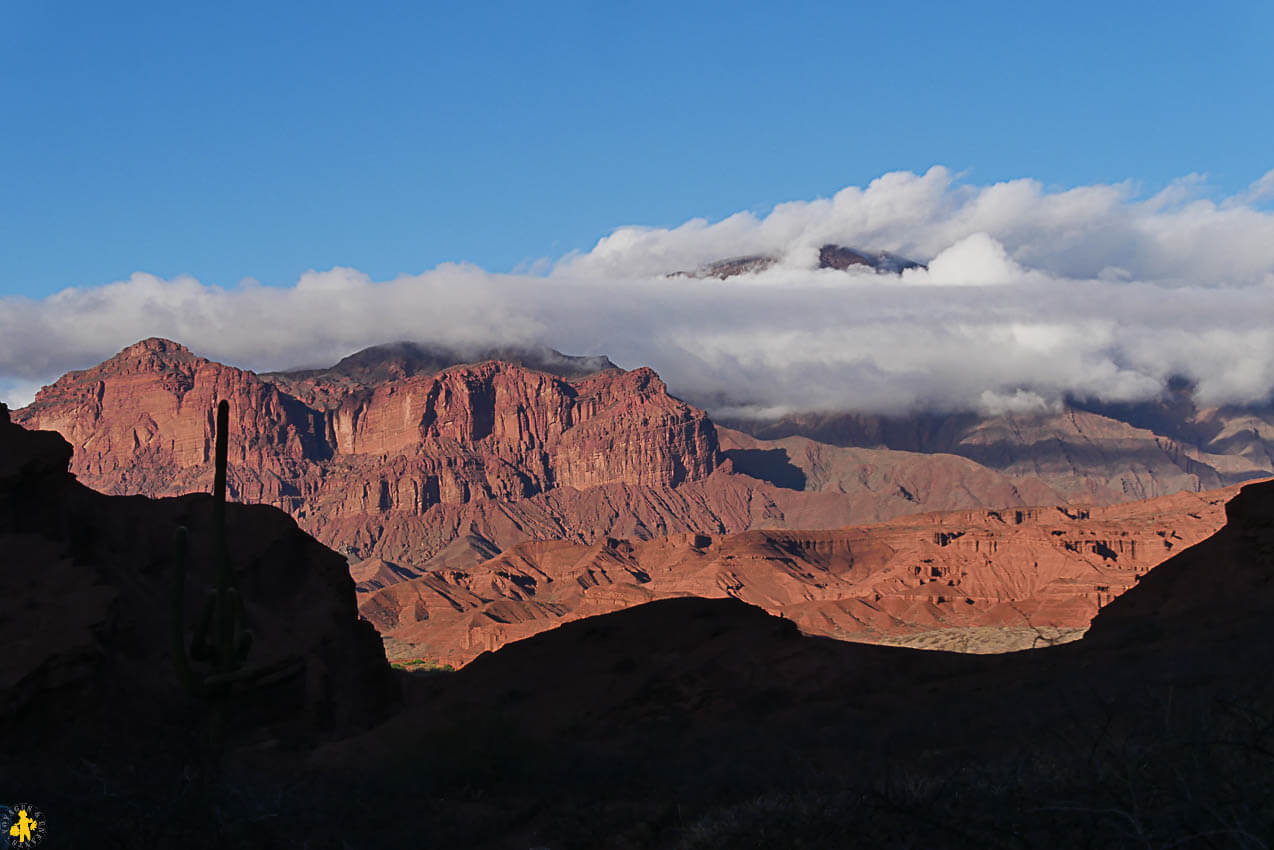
[422, 665]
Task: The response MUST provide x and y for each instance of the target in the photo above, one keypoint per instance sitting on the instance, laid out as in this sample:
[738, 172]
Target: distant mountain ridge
[830, 256]
[1084, 452]
[404, 359]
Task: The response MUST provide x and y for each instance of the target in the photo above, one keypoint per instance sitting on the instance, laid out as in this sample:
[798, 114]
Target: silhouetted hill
[87, 584]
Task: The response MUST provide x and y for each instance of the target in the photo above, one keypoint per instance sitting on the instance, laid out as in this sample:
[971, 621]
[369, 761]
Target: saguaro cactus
[223, 612]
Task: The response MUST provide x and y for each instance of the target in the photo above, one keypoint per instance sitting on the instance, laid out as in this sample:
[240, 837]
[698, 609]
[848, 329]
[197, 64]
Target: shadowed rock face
[1087, 455]
[87, 587]
[841, 258]
[372, 366]
[1222, 586]
[693, 672]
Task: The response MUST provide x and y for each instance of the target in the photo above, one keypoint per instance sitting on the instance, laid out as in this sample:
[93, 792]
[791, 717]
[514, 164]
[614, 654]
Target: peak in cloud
[1030, 295]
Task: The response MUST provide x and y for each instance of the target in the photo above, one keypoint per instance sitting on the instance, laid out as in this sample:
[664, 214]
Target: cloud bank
[1030, 295]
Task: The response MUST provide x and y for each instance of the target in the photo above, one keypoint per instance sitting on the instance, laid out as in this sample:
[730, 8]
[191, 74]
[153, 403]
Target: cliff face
[400, 453]
[142, 422]
[354, 453]
[496, 430]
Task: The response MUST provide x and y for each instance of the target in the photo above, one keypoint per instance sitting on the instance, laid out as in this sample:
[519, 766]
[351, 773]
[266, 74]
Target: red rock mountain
[145, 412]
[400, 453]
[141, 423]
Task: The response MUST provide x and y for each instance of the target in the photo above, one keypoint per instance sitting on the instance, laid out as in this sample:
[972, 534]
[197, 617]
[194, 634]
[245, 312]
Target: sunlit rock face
[358, 446]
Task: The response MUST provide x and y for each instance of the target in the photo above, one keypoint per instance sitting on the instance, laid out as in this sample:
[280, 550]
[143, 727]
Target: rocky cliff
[359, 453]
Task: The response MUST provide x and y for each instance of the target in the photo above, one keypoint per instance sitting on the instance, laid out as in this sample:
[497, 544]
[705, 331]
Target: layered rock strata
[974, 580]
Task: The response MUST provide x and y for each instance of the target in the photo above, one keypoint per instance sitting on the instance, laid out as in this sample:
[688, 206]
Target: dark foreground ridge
[682, 723]
[87, 671]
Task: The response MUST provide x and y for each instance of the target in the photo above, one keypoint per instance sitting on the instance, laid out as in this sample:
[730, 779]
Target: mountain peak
[404, 359]
[150, 354]
[830, 256]
[157, 344]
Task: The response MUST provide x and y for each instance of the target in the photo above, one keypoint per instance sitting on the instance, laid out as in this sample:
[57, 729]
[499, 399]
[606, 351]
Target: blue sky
[235, 140]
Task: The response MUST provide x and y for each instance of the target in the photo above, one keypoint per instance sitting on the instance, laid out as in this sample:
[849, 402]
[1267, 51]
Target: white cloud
[1020, 402]
[1030, 295]
[976, 260]
[1260, 190]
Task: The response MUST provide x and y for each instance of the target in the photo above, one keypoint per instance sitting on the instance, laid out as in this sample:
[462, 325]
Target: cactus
[223, 617]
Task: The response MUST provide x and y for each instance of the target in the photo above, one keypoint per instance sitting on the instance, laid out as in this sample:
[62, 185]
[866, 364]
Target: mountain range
[483, 496]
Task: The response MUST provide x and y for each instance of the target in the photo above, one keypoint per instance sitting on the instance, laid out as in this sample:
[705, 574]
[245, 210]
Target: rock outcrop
[1220, 587]
[88, 582]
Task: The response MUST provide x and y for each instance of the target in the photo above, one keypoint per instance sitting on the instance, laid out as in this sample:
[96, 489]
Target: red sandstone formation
[398, 453]
[1018, 578]
[141, 423]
